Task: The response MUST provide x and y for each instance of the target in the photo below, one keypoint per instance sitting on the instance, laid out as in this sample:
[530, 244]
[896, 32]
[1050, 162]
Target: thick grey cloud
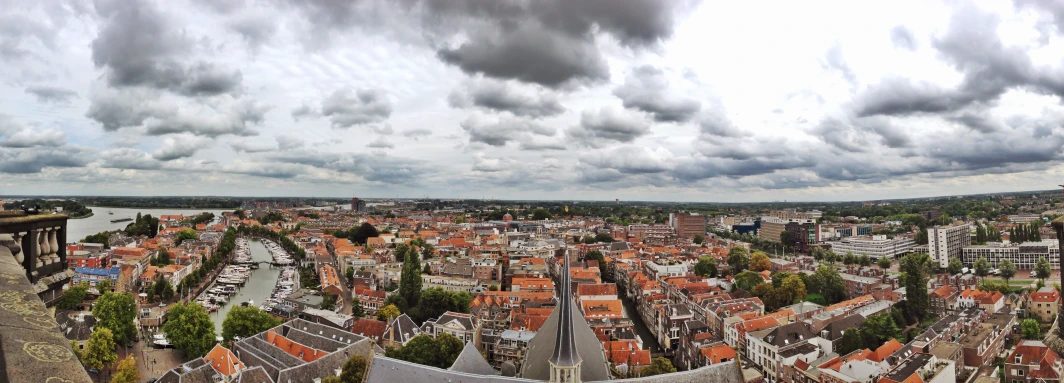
[236, 117]
[903, 38]
[180, 146]
[346, 107]
[503, 96]
[381, 143]
[529, 53]
[28, 138]
[139, 46]
[304, 111]
[255, 28]
[19, 34]
[608, 125]
[243, 146]
[498, 132]
[51, 94]
[549, 42]
[647, 89]
[971, 44]
[374, 168]
[33, 160]
[288, 142]
[128, 158]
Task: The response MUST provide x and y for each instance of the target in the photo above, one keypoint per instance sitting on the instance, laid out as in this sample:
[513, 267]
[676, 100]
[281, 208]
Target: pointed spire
[565, 354]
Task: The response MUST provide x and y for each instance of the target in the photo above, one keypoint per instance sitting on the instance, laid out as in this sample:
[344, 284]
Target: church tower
[565, 362]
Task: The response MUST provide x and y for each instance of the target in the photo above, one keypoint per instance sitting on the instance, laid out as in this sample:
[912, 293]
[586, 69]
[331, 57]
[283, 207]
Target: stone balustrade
[31, 347]
[38, 246]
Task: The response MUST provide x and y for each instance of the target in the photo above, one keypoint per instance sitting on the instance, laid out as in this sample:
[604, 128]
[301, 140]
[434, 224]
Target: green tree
[126, 371]
[349, 274]
[1042, 268]
[100, 350]
[595, 255]
[102, 237]
[103, 286]
[423, 349]
[1031, 329]
[1007, 269]
[791, 290]
[354, 370]
[916, 268]
[864, 260]
[436, 301]
[185, 235]
[539, 215]
[785, 239]
[738, 260]
[699, 239]
[387, 313]
[331, 379]
[410, 277]
[767, 293]
[658, 366]
[955, 266]
[162, 258]
[982, 267]
[747, 280]
[242, 322]
[851, 341]
[706, 267]
[189, 328]
[884, 263]
[162, 288]
[116, 312]
[830, 284]
[73, 296]
[603, 238]
[879, 328]
[760, 262]
[849, 258]
[328, 302]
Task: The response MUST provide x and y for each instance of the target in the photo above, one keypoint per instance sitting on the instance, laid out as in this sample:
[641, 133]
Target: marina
[244, 283]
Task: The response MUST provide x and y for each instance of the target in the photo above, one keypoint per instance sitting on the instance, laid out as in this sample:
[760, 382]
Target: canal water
[258, 287]
[101, 220]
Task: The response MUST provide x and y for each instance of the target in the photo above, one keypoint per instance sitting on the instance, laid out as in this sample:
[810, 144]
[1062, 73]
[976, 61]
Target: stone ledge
[31, 347]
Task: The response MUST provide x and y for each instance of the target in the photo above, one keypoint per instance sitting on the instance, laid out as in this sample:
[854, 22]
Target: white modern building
[948, 242]
[1024, 255]
[876, 246]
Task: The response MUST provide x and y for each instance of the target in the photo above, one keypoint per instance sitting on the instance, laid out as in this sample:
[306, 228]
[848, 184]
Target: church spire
[565, 362]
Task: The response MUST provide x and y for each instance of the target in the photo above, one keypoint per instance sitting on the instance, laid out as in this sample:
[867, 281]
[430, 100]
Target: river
[258, 287]
[77, 229]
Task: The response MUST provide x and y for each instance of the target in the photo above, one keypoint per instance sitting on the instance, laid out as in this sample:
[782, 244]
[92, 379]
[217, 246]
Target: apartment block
[948, 242]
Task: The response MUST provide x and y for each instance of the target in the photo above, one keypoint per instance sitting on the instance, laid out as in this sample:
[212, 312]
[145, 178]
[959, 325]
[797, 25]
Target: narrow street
[641, 329]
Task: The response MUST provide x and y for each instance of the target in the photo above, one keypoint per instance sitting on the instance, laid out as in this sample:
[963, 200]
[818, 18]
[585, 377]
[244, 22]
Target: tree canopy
[242, 322]
[658, 366]
[73, 296]
[189, 328]
[99, 350]
[1042, 269]
[126, 371]
[422, 349]
[706, 267]
[760, 262]
[738, 260]
[916, 269]
[982, 267]
[116, 312]
[1031, 329]
[354, 370]
[955, 266]
[1007, 269]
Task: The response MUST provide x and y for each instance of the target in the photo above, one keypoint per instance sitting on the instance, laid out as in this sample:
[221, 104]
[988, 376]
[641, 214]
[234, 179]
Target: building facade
[1024, 255]
[948, 242]
[875, 247]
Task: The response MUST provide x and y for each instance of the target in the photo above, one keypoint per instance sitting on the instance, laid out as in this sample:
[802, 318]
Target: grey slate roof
[385, 369]
[470, 361]
[540, 349]
[565, 350]
[837, 328]
[405, 329]
[727, 372]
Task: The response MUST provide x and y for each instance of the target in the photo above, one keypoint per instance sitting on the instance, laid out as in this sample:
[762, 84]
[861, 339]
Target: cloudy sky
[552, 99]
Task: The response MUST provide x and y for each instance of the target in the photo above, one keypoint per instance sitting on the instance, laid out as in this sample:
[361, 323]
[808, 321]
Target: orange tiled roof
[223, 360]
[719, 353]
[297, 350]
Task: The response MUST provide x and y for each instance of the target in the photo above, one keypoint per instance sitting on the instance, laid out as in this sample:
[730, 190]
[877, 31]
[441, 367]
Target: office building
[948, 242]
[876, 246]
[1024, 255]
[358, 205]
[687, 225]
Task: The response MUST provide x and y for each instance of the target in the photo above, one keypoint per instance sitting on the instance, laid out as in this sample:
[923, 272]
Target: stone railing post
[42, 247]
